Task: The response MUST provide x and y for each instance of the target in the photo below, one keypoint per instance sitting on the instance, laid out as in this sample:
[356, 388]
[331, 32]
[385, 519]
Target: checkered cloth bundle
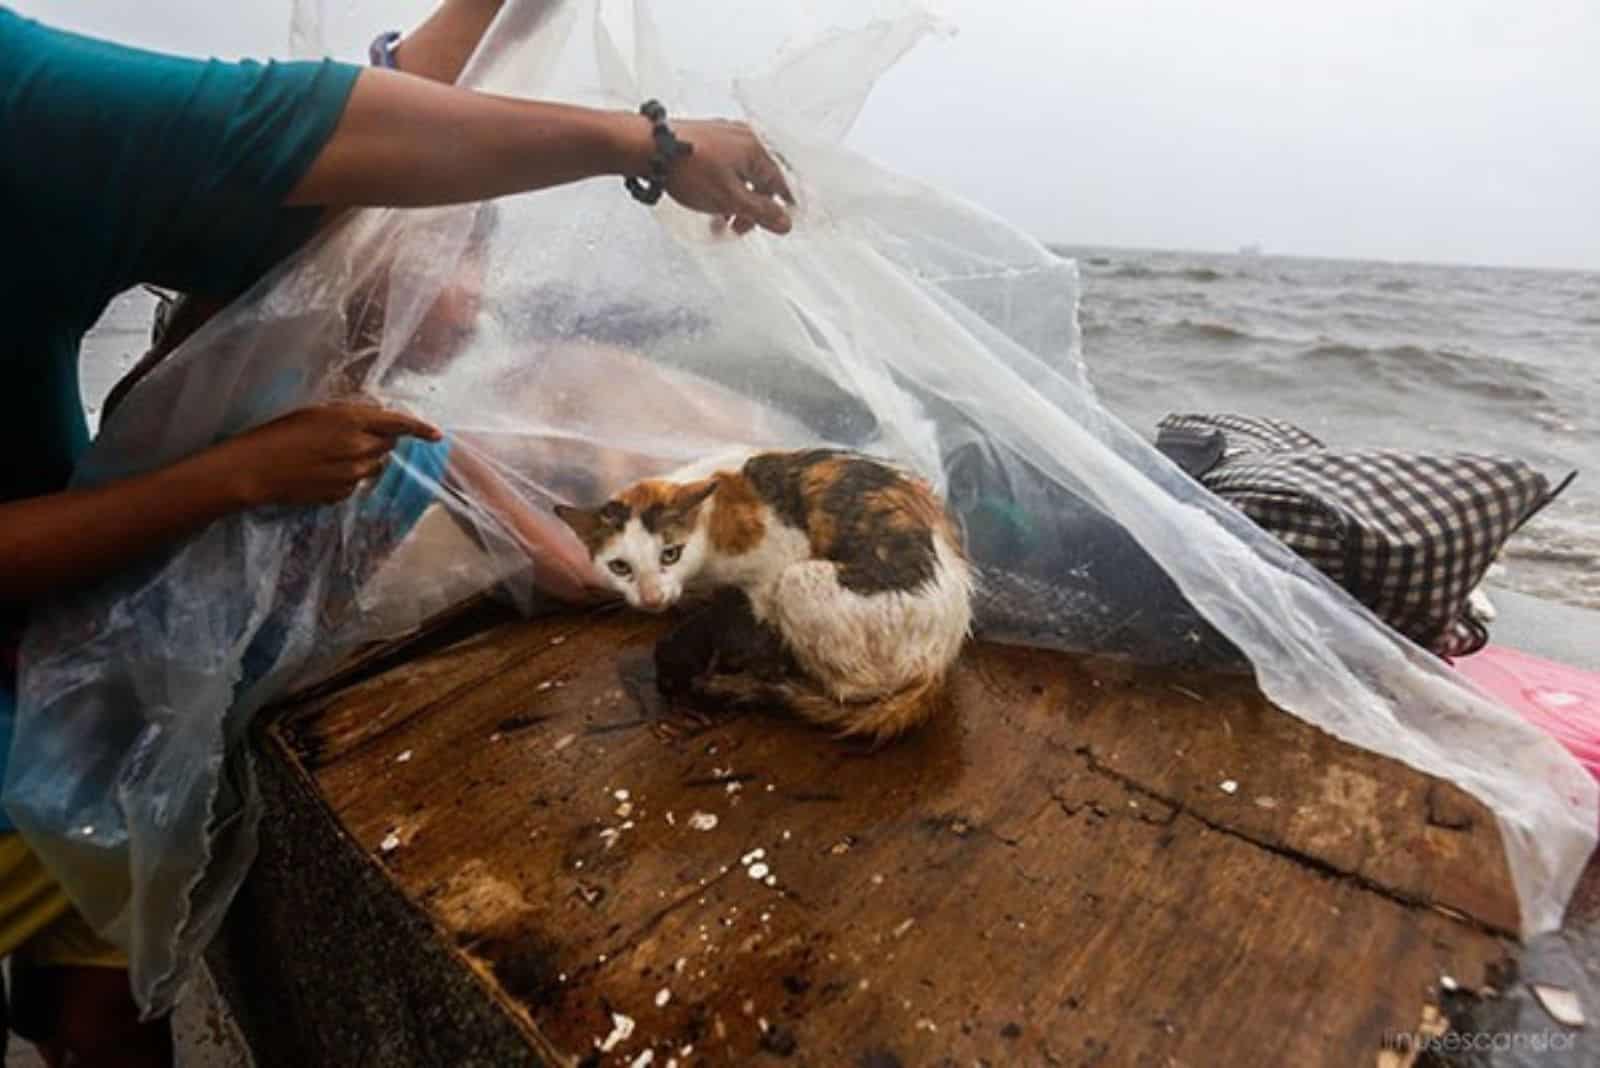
[1409, 535]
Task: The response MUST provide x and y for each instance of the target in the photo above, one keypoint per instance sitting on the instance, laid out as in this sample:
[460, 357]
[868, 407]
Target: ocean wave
[1140, 272]
[1529, 548]
[1487, 376]
[1188, 328]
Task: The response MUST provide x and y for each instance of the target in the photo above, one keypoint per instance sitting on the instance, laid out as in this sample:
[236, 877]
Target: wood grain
[1052, 873]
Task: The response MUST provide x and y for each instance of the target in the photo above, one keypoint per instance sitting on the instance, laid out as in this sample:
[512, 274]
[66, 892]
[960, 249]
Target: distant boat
[1249, 250]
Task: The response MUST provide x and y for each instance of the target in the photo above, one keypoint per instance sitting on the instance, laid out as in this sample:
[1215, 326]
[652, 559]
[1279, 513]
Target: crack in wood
[1306, 860]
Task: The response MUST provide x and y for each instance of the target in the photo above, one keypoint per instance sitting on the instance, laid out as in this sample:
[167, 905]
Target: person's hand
[316, 455]
[729, 176]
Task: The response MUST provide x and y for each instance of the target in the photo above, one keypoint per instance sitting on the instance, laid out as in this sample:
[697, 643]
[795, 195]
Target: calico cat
[851, 567]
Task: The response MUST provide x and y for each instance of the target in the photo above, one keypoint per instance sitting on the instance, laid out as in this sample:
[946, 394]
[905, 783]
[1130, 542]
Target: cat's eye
[620, 568]
[670, 554]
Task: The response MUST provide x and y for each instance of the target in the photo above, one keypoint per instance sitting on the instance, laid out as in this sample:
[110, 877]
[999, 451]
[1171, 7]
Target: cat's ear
[594, 525]
[583, 521]
[694, 495]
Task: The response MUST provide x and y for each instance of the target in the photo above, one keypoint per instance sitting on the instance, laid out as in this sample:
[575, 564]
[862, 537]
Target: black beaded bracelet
[669, 150]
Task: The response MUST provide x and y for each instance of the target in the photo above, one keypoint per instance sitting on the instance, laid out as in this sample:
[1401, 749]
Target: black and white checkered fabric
[1409, 535]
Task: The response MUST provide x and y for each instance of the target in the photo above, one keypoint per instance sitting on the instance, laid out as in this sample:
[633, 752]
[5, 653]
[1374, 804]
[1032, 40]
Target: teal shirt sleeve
[142, 167]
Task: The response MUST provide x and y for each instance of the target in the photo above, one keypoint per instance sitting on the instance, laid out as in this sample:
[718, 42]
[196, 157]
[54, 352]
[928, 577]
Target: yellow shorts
[37, 922]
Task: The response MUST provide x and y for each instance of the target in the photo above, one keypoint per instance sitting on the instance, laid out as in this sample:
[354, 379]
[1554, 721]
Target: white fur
[651, 585]
[862, 647]
[756, 571]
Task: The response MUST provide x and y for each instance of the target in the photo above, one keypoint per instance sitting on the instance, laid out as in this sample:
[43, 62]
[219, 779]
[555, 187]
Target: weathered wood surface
[1079, 864]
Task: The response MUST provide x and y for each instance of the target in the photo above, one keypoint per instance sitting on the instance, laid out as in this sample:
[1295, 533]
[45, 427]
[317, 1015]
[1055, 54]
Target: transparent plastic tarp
[572, 341]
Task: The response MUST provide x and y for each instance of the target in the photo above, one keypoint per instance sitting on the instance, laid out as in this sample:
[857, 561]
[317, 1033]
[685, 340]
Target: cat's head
[647, 542]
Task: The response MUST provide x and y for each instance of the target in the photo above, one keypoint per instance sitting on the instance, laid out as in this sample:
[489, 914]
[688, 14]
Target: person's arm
[404, 141]
[439, 48]
[561, 566]
[313, 456]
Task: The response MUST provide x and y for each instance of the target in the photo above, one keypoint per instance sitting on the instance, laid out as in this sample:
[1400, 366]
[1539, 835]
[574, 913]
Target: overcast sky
[1450, 130]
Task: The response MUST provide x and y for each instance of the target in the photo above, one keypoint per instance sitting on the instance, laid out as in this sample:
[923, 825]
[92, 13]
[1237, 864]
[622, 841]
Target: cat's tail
[878, 718]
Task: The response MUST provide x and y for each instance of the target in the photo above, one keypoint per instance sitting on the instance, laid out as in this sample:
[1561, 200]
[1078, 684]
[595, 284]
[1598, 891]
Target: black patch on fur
[651, 518]
[887, 561]
[777, 478]
[614, 514]
[874, 554]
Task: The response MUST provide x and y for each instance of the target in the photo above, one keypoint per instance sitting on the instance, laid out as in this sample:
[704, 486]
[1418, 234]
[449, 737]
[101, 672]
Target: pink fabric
[1562, 700]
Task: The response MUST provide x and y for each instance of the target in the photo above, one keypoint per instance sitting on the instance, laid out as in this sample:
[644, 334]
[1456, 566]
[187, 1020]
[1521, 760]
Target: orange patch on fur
[736, 524]
[642, 495]
[822, 529]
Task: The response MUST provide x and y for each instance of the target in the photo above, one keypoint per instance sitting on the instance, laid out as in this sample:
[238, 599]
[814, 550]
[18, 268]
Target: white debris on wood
[1228, 786]
[1448, 983]
[903, 926]
[609, 836]
[564, 741]
[752, 856]
[644, 1059]
[1561, 1003]
[390, 843]
[703, 821]
[735, 787]
[625, 810]
[672, 821]
[558, 639]
[403, 757]
[662, 997]
[759, 871]
[620, 795]
[621, 1031]
[771, 880]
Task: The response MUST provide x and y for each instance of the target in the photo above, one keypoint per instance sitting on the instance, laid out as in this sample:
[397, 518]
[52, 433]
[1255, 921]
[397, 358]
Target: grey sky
[1456, 130]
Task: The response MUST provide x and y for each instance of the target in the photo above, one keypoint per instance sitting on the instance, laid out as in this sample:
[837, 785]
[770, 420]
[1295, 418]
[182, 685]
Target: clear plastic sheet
[573, 341]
